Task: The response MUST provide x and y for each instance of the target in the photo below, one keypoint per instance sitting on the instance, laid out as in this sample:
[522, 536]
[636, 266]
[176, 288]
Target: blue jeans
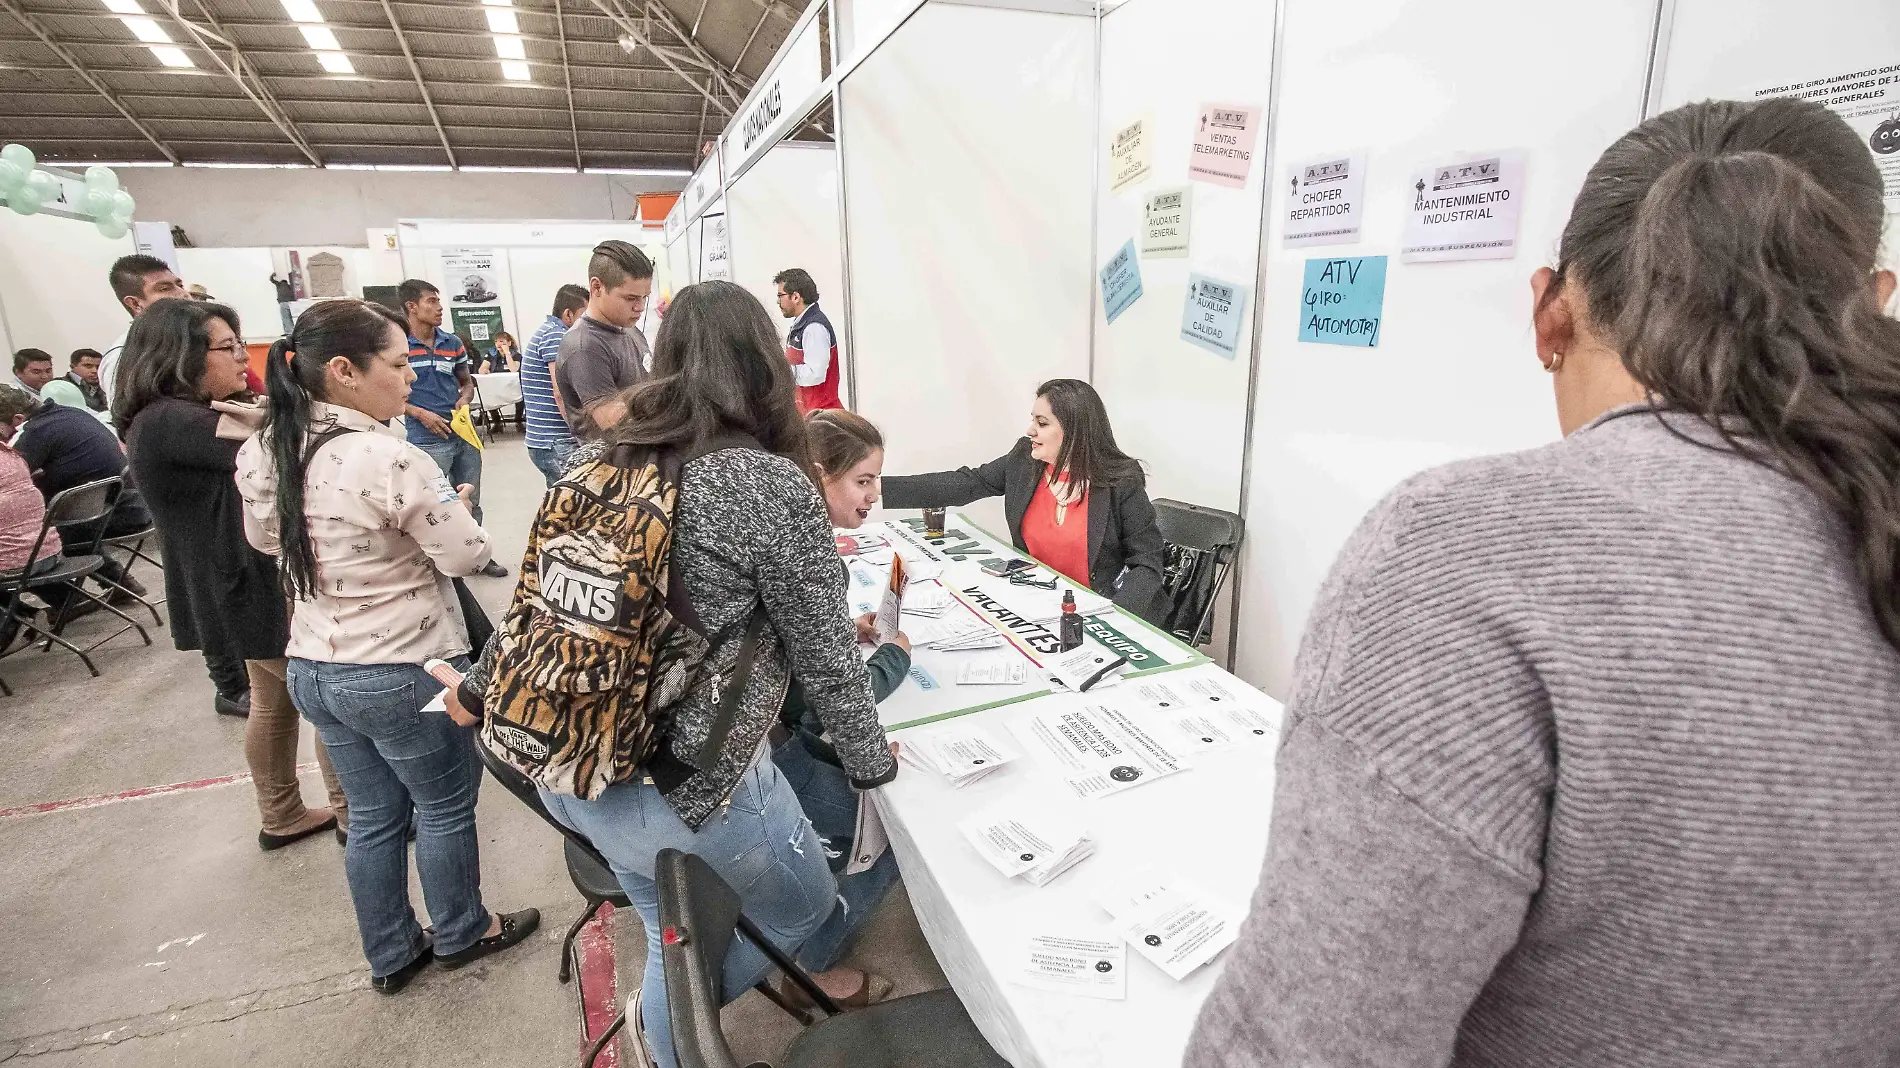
[831, 804]
[391, 755]
[552, 461]
[759, 842]
[460, 461]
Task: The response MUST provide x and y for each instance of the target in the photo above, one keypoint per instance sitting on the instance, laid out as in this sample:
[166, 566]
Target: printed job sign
[1343, 301]
[1466, 210]
[1224, 144]
[1128, 156]
[1164, 227]
[1212, 316]
[1326, 200]
[1869, 99]
[1121, 281]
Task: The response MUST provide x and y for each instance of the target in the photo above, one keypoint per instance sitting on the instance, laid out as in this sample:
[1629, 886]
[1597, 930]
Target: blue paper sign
[1211, 318]
[1343, 301]
[1121, 281]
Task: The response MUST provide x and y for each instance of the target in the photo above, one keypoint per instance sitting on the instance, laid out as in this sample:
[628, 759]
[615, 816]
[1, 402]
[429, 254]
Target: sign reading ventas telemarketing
[1223, 144]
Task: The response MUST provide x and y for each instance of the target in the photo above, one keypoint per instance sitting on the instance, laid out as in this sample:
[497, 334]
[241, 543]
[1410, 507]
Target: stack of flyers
[1098, 748]
[1093, 963]
[1174, 925]
[962, 753]
[926, 599]
[1005, 670]
[1037, 846]
[1200, 723]
[956, 628]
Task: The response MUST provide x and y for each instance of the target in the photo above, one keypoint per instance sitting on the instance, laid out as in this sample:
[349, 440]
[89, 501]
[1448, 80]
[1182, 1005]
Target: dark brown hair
[718, 370]
[614, 262]
[840, 440]
[1726, 250]
[1089, 453]
[164, 355]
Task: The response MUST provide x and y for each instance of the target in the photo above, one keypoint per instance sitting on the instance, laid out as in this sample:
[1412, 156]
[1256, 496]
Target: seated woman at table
[1589, 757]
[1074, 500]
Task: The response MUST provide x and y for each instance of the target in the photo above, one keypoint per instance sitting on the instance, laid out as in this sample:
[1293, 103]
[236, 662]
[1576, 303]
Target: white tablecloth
[501, 389]
[1207, 825]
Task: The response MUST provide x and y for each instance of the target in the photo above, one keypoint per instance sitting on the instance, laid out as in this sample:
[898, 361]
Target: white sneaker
[636, 1023]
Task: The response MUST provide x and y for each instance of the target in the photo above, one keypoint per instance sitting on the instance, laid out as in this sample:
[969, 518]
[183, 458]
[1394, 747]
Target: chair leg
[50, 637]
[773, 996]
[567, 944]
[607, 1036]
[5, 690]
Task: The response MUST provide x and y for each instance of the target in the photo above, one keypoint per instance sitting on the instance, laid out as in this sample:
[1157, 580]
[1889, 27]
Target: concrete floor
[151, 931]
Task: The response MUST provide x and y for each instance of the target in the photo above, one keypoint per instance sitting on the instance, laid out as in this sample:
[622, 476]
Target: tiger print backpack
[600, 643]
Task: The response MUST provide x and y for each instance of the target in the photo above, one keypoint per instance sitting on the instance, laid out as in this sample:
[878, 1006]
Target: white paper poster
[1092, 963]
[1166, 222]
[1180, 931]
[1128, 156]
[1466, 209]
[715, 261]
[1325, 200]
[1098, 750]
[470, 276]
[1869, 100]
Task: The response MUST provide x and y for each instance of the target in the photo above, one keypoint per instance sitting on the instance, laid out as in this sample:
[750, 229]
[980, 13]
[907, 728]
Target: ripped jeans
[760, 843]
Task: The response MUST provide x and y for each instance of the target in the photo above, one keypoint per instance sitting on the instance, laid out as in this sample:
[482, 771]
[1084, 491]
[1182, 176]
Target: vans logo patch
[530, 744]
[582, 596]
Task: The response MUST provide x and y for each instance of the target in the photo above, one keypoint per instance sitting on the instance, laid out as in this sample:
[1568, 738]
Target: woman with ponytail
[1589, 757]
[369, 532]
[184, 410]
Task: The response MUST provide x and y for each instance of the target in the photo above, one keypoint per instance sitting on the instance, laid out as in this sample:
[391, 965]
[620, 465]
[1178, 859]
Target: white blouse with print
[387, 530]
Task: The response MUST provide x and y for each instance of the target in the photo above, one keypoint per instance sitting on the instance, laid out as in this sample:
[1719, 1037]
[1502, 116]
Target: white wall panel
[967, 153]
[783, 212]
[54, 293]
[1179, 407]
[240, 279]
[1455, 373]
[537, 274]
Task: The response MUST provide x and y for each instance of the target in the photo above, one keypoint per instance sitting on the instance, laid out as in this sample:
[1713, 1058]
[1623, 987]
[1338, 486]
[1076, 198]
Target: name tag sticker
[444, 493]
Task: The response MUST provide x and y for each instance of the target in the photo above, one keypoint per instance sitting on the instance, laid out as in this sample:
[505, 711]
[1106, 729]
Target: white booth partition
[54, 292]
[1454, 372]
[967, 148]
[783, 212]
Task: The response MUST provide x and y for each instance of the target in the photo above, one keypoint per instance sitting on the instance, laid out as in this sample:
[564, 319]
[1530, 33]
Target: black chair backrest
[698, 913]
[1194, 527]
[513, 781]
[1201, 545]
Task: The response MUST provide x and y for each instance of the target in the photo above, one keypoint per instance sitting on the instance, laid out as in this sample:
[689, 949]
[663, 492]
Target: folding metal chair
[90, 503]
[1201, 545]
[133, 542]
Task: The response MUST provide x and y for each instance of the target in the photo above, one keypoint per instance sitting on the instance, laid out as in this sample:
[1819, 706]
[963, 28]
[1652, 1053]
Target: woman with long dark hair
[182, 407]
[369, 533]
[1073, 498]
[1590, 753]
[750, 536]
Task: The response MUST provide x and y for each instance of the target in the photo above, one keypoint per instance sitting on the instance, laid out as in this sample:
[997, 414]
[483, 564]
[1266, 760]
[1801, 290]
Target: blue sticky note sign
[922, 678]
[1211, 317]
[1121, 281]
[1343, 301]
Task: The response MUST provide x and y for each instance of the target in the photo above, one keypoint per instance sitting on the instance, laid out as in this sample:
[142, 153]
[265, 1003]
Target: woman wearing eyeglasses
[180, 405]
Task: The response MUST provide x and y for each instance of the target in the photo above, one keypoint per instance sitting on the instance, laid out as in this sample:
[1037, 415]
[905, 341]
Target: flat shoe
[396, 980]
[267, 841]
[515, 926]
[875, 989]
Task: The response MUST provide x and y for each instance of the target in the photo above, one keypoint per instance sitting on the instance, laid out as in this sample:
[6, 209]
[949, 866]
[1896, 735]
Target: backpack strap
[317, 443]
[708, 755]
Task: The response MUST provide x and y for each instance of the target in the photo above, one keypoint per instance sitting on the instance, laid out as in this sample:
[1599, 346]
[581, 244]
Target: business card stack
[1036, 847]
[960, 753]
[930, 600]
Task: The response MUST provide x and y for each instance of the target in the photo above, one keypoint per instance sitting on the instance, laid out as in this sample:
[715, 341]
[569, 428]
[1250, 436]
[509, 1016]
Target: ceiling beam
[346, 79]
[393, 145]
[699, 18]
[753, 36]
[237, 69]
[567, 83]
[367, 124]
[32, 25]
[635, 31]
[291, 102]
[734, 85]
[427, 100]
[303, 51]
[357, 27]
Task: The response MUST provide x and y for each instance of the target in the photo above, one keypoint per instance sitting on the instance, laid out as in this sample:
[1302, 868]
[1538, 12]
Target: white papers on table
[926, 599]
[1006, 670]
[960, 752]
[1087, 668]
[1098, 749]
[956, 628]
[1090, 962]
[1037, 843]
[1171, 923]
[1210, 715]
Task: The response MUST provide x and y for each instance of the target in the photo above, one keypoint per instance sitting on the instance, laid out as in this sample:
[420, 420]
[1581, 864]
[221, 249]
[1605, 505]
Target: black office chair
[699, 914]
[87, 504]
[1201, 545]
[102, 541]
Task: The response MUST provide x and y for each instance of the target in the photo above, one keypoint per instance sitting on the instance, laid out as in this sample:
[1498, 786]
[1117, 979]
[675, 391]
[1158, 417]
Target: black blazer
[1125, 548]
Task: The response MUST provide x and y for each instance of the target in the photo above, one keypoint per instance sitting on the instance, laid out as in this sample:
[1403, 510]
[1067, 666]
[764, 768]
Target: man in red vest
[812, 345]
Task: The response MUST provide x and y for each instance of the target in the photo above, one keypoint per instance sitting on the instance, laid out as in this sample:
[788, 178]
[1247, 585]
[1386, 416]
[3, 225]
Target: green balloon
[98, 177]
[122, 204]
[11, 177]
[20, 156]
[25, 200]
[45, 183]
[112, 228]
[97, 203]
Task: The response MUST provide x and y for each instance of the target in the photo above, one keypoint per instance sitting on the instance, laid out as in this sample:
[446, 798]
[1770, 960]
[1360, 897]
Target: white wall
[294, 207]
[967, 149]
[1455, 373]
[782, 213]
[54, 292]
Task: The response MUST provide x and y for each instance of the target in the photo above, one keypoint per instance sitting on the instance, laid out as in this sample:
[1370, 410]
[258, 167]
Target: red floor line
[141, 794]
[599, 987]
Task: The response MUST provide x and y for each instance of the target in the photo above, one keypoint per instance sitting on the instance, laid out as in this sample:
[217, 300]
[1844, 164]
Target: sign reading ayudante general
[1165, 222]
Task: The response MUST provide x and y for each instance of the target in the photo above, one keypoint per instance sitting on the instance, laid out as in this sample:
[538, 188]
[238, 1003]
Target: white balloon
[98, 177]
[122, 203]
[25, 200]
[45, 183]
[98, 203]
[112, 228]
[11, 177]
[20, 156]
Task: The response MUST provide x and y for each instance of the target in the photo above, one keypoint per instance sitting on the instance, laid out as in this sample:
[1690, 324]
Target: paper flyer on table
[1088, 668]
[1014, 841]
[1092, 963]
[1006, 670]
[1179, 931]
[960, 752]
[1098, 750]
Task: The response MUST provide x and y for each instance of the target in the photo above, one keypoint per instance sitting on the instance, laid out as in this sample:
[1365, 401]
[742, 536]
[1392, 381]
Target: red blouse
[1062, 545]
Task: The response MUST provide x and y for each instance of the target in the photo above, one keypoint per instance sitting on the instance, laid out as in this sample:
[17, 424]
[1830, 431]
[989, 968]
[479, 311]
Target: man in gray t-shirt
[604, 353]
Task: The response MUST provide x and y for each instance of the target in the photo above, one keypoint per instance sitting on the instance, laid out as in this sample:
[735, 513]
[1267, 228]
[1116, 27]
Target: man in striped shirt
[549, 439]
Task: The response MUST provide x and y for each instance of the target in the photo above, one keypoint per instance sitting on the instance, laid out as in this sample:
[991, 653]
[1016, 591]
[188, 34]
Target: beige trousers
[270, 748]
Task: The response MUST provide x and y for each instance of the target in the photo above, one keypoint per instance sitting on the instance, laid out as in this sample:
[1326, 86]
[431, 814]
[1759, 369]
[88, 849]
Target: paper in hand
[891, 610]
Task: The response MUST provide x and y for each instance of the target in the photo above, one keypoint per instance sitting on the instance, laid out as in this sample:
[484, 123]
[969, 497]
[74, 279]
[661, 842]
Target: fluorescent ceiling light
[389, 167]
[302, 11]
[658, 172]
[76, 164]
[502, 20]
[124, 7]
[252, 166]
[336, 63]
[515, 71]
[172, 56]
[498, 3]
[520, 170]
[509, 47]
[146, 30]
[320, 38]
